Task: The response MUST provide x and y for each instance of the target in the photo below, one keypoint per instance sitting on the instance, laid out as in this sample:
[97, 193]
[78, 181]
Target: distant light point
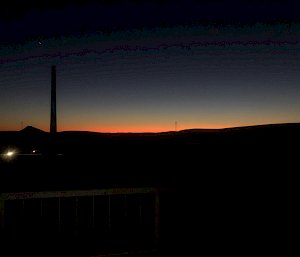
[10, 153]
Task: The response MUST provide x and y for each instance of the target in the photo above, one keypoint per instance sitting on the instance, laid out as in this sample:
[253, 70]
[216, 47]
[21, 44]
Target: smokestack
[53, 128]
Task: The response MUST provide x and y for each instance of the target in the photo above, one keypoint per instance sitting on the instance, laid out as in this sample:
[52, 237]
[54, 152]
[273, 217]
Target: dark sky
[142, 65]
[25, 20]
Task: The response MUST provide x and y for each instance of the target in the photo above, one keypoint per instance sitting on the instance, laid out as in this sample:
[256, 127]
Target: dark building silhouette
[53, 126]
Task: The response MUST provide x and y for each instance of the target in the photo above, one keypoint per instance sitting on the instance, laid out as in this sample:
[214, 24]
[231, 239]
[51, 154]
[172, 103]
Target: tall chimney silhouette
[53, 128]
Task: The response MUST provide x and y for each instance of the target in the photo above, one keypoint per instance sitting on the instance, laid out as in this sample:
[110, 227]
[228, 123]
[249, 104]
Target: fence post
[1, 214]
[109, 217]
[59, 216]
[157, 214]
[76, 216]
[93, 221]
[41, 207]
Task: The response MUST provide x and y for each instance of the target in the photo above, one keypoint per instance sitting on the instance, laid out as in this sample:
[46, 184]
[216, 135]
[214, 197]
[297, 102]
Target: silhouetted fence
[100, 220]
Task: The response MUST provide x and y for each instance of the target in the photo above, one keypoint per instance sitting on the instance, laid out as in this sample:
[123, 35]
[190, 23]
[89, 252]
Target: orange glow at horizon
[122, 129]
[145, 128]
[136, 128]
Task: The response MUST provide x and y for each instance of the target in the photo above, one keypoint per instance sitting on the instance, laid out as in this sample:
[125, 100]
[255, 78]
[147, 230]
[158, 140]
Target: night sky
[142, 66]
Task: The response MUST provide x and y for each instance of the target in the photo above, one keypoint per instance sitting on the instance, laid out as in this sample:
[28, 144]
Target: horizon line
[161, 131]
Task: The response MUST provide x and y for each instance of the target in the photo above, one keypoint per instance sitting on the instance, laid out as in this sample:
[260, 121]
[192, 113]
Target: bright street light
[10, 153]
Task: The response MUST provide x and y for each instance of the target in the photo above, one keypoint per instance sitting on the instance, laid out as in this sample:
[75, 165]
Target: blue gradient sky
[143, 80]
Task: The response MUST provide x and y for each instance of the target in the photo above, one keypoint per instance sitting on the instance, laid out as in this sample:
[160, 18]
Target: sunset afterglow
[145, 80]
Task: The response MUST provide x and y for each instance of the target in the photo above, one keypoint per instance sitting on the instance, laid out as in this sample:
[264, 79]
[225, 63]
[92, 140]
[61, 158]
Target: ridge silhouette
[228, 190]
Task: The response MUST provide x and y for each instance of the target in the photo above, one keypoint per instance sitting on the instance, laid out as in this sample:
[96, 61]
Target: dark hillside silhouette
[167, 158]
[232, 187]
[29, 130]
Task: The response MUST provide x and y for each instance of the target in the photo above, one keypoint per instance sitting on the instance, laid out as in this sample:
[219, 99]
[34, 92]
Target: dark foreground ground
[230, 192]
